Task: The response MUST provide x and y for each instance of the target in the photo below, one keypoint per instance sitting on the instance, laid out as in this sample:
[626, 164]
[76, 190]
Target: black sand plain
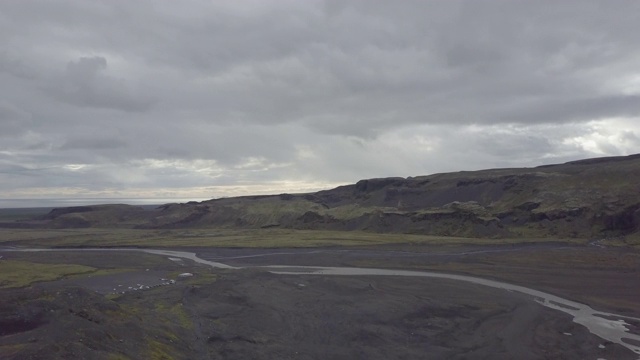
[253, 314]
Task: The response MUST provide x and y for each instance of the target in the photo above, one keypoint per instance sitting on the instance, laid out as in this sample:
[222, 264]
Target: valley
[535, 263]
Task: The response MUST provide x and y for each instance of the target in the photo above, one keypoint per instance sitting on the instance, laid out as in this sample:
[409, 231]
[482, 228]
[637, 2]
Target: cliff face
[588, 198]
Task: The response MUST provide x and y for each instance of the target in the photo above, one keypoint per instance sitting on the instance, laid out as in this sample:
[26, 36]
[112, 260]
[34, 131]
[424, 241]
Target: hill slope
[588, 198]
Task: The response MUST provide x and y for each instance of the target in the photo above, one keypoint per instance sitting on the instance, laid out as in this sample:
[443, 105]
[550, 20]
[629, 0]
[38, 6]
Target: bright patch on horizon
[605, 137]
[75, 167]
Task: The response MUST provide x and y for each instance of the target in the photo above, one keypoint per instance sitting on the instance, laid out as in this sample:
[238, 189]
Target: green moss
[15, 273]
[7, 351]
[202, 279]
[263, 238]
[176, 313]
[159, 351]
[352, 211]
[112, 296]
[117, 357]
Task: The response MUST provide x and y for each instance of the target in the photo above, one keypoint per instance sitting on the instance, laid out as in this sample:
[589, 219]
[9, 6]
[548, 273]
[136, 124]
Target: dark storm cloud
[163, 94]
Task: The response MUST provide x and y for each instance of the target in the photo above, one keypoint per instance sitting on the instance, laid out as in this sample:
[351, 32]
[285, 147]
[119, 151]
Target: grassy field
[15, 273]
[264, 238]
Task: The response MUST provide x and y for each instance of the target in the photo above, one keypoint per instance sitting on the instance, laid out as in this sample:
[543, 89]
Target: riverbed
[609, 326]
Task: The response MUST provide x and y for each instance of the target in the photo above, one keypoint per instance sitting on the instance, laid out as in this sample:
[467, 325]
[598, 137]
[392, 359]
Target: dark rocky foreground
[263, 316]
[252, 314]
[594, 198]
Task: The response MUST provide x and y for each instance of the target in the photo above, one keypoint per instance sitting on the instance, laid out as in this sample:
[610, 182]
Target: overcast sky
[202, 99]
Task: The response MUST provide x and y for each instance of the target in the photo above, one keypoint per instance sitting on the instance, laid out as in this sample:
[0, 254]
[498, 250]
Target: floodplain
[130, 304]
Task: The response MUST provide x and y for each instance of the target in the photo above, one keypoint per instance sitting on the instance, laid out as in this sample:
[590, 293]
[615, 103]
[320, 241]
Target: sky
[191, 100]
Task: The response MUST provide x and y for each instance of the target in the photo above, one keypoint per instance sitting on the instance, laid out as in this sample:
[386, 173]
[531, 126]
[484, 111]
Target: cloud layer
[201, 99]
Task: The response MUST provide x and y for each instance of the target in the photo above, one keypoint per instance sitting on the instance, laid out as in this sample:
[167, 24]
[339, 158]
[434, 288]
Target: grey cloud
[13, 121]
[631, 137]
[15, 67]
[84, 84]
[519, 145]
[578, 110]
[118, 94]
[92, 143]
[13, 169]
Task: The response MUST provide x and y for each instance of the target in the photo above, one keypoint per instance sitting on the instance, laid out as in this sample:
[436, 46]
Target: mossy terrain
[44, 315]
[595, 198]
[258, 238]
[588, 199]
[73, 323]
[23, 273]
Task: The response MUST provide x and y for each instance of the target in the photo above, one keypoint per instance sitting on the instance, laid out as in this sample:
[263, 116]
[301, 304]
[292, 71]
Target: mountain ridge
[589, 198]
